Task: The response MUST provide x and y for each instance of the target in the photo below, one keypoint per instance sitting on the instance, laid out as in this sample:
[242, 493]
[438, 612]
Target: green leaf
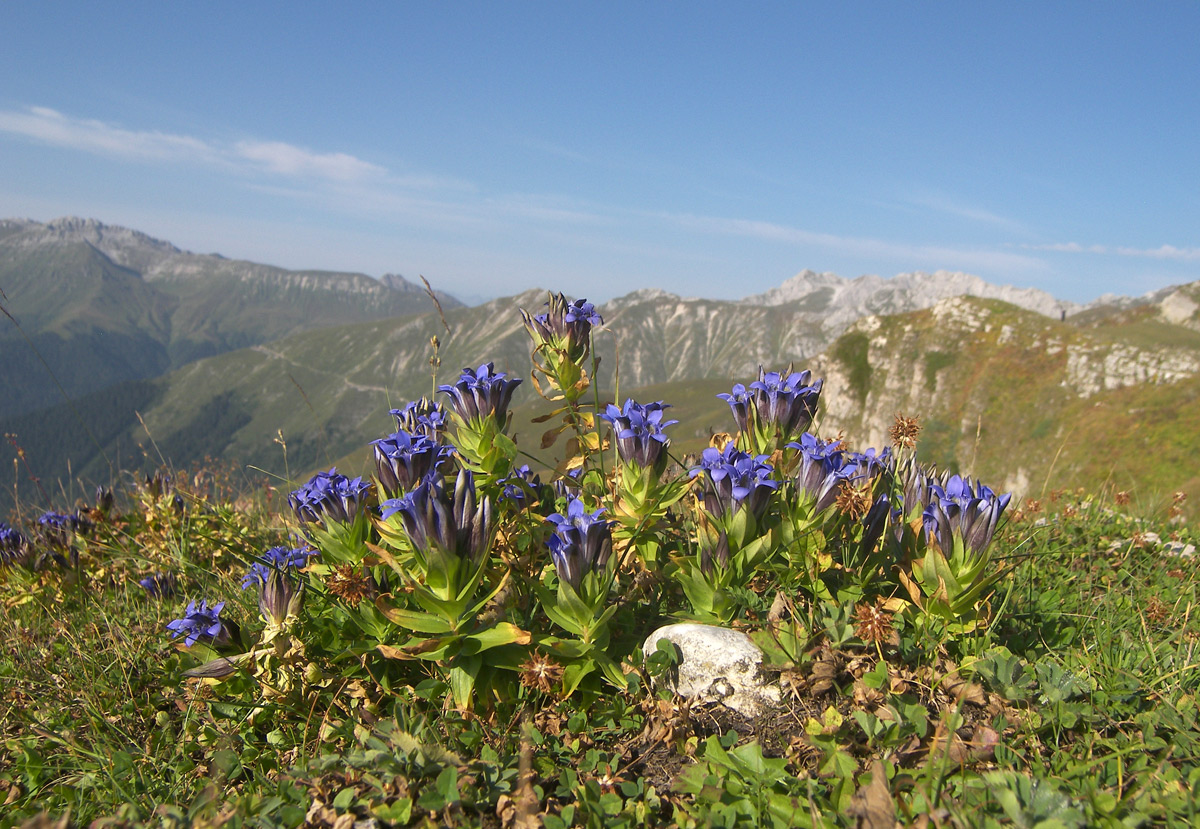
[413, 620]
[503, 633]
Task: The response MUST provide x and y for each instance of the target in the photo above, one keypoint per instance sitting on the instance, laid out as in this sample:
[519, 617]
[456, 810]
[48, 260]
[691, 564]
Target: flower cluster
[277, 558]
[823, 470]
[481, 393]
[403, 460]
[639, 433]
[459, 524]
[200, 622]
[582, 542]
[959, 508]
[422, 417]
[56, 528]
[565, 326]
[329, 495]
[735, 480]
[787, 403]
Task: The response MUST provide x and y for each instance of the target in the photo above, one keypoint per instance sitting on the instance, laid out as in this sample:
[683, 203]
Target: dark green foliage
[853, 352]
[935, 361]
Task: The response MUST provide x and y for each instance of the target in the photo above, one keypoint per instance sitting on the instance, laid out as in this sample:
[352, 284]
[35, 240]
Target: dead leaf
[872, 804]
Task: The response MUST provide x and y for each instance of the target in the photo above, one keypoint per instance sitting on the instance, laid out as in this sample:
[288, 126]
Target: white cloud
[945, 204]
[1163, 252]
[290, 160]
[1169, 252]
[941, 256]
[52, 127]
[274, 157]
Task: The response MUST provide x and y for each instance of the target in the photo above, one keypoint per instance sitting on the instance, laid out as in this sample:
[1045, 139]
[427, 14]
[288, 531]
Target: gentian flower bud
[280, 598]
[104, 499]
[581, 543]
[159, 484]
[875, 521]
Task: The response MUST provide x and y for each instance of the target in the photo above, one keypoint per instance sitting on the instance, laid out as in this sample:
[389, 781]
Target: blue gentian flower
[200, 621]
[14, 547]
[822, 470]
[582, 542]
[789, 403]
[423, 417]
[159, 585]
[565, 325]
[959, 508]
[519, 483]
[277, 558]
[402, 460]
[56, 528]
[870, 462]
[639, 431]
[735, 480]
[739, 402]
[329, 494]
[482, 392]
[458, 524]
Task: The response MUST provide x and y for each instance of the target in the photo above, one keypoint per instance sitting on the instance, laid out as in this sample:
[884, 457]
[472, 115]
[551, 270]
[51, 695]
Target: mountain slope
[105, 304]
[1002, 392]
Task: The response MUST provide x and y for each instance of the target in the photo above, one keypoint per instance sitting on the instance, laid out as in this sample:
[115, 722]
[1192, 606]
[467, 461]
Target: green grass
[1081, 695]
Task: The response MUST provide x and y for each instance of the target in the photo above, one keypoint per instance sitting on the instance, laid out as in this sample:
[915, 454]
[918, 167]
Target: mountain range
[101, 304]
[1010, 383]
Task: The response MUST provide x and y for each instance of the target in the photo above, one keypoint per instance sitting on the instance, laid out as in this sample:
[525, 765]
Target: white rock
[717, 664]
[1179, 549]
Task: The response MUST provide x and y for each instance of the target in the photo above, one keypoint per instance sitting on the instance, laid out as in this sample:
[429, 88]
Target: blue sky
[711, 149]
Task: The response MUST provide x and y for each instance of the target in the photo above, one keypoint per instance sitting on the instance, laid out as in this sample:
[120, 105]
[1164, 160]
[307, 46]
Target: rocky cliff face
[990, 380]
[841, 300]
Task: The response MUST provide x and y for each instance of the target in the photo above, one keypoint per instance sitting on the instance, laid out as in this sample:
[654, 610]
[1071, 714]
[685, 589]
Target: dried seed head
[1122, 498]
[540, 672]
[873, 623]
[348, 584]
[853, 501]
[904, 432]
